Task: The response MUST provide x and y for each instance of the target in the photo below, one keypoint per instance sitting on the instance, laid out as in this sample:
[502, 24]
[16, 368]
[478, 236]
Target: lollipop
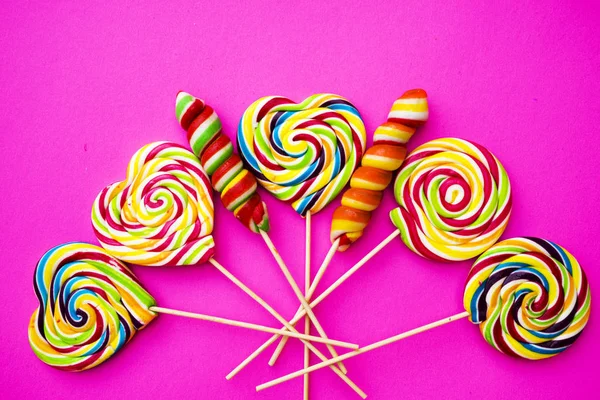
[303, 153]
[369, 181]
[529, 296]
[162, 214]
[215, 151]
[454, 200]
[377, 165]
[91, 305]
[471, 177]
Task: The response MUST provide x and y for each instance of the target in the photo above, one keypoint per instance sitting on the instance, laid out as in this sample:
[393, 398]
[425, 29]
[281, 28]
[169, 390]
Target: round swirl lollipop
[529, 296]
[162, 213]
[91, 305]
[303, 153]
[454, 200]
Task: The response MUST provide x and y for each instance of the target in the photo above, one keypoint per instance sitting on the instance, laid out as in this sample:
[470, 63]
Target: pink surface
[84, 86]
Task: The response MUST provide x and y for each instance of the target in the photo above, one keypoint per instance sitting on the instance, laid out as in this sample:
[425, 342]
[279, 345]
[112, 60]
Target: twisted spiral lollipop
[215, 151]
[377, 165]
[161, 214]
[90, 306]
[529, 296]
[303, 153]
[454, 200]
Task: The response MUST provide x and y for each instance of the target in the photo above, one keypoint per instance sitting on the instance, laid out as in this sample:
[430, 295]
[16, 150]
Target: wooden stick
[273, 338]
[288, 326]
[296, 289]
[314, 303]
[307, 255]
[341, 280]
[311, 291]
[365, 349]
[246, 325]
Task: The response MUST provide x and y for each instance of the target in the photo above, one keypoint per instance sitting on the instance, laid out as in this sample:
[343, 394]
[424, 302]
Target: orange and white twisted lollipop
[162, 213]
[377, 166]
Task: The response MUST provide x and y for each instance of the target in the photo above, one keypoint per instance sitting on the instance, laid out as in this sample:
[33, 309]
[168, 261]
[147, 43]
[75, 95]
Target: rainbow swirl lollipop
[91, 305]
[162, 213]
[529, 296]
[454, 200]
[303, 153]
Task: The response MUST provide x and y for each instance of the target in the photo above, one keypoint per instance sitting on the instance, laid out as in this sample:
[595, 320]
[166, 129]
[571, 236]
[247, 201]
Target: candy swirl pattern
[530, 297]
[303, 153]
[162, 213]
[215, 151]
[454, 200]
[90, 306]
[378, 164]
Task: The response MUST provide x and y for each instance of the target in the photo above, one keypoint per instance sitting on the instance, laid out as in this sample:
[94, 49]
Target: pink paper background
[84, 86]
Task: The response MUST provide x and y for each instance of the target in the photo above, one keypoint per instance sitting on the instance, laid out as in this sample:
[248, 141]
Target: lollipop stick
[273, 338]
[323, 295]
[277, 316]
[365, 349]
[311, 291]
[341, 280]
[296, 318]
[246, 325]
[296, 289]
[306, 289]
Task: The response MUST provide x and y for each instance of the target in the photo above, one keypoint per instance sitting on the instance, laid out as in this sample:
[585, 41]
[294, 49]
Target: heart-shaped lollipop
[90, 306]
[370, 179]
[303, 153]
[162, 213]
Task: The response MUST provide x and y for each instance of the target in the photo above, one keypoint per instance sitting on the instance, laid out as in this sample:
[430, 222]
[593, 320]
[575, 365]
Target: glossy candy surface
[303, 153]
[530, 297]
[378, 164]
[454, 200]
[162, 213]
[90, 306]
[216, 153]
